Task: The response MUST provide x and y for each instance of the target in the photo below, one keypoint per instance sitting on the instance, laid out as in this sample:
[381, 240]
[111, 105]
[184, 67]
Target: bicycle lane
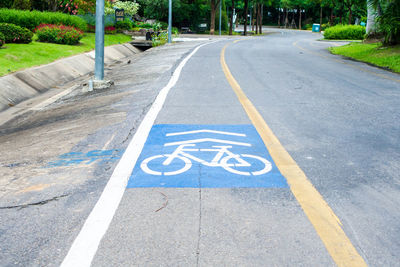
[201, 209]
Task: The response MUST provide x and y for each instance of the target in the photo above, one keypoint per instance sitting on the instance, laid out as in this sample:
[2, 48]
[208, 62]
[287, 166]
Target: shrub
[126, 24]
[164, 25]
[32, 19]
[144, 25]
[15, 34]
[160, 39]
[58, 34]
[324, 26]
[389, 22]
[110, 30]
[2, 39]
[130, 8]
[345, 32]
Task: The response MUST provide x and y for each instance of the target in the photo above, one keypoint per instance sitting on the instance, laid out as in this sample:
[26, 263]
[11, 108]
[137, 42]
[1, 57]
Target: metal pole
[99, 46]
[220, 15]
[251, 12]
[170, 22]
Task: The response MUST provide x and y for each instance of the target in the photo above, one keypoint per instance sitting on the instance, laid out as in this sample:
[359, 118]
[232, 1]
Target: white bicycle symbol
[221, 159]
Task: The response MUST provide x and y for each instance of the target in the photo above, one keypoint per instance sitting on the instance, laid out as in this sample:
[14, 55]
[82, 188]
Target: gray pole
[170, 22]
[99, 46]
[251, 11]
[220, 15]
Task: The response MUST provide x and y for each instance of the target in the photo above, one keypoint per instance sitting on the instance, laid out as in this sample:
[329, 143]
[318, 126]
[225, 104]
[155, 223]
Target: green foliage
[126, 24]
[6, 3]
[160, 39]
[15, 34]
[2, 39]
[224, 19]
[58, 34]
[163, 25]
[324, 26]
[21, 56]
[32, 19]
[387, 57]
[22, 4]
[144, 25]
[185, 12]
[389, 21]
[130, 8]
[345, 32]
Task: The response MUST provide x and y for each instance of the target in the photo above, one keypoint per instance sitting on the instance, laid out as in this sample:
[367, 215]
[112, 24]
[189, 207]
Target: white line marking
[86, 243]
[202, 140]
[205, 131]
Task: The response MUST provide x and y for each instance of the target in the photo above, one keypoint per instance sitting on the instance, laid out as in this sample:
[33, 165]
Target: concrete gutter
[22, 85]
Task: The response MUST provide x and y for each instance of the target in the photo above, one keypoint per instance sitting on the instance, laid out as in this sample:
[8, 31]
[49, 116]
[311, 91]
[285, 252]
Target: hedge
[345, 32]
[58, 34]
[2, 39]
[15, 34]
[32, 19]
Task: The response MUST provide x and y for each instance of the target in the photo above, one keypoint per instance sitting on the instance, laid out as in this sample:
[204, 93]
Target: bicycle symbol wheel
[230, 167]
[146, 169]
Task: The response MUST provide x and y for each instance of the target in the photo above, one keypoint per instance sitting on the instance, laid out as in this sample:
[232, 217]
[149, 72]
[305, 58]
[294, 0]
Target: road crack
[40, 203]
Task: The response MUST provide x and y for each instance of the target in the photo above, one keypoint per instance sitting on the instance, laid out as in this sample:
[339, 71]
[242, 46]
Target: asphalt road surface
[249, 151]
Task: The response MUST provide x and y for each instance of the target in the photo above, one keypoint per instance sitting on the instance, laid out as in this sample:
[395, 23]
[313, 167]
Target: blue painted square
[206, 156]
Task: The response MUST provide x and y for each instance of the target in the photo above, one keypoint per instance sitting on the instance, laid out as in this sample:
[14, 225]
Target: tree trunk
[350, 15]
[320, 17]
[371, 19]
[213, 5]
[246, 10]
[253, 17]
[299, 18]
[231, 25]
[331, 18]
[279, 17]
[256, 22]
[286, 17]
[261, 17]
[341, 12]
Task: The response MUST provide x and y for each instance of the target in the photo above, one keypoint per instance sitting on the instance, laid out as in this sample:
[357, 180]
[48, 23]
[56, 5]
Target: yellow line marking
[343, 62]
[322, 217]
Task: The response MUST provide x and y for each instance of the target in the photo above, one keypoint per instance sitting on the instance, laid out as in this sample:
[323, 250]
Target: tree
[350, 4]
[388, 20]
[231, 21]
[22, 4]
[214, 4]
[371, 18]
[246, 11]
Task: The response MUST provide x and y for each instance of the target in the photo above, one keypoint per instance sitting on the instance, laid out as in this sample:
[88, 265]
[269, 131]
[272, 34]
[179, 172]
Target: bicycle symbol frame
[221, 159]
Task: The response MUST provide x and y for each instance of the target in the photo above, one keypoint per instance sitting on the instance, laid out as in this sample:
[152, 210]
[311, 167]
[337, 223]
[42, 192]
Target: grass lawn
[14, 57]
[388, 57]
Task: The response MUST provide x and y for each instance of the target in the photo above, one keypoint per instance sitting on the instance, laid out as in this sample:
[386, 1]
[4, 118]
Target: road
[280, 154]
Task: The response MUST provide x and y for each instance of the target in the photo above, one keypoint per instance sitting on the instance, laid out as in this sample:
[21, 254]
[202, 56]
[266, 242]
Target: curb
[25, 84]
